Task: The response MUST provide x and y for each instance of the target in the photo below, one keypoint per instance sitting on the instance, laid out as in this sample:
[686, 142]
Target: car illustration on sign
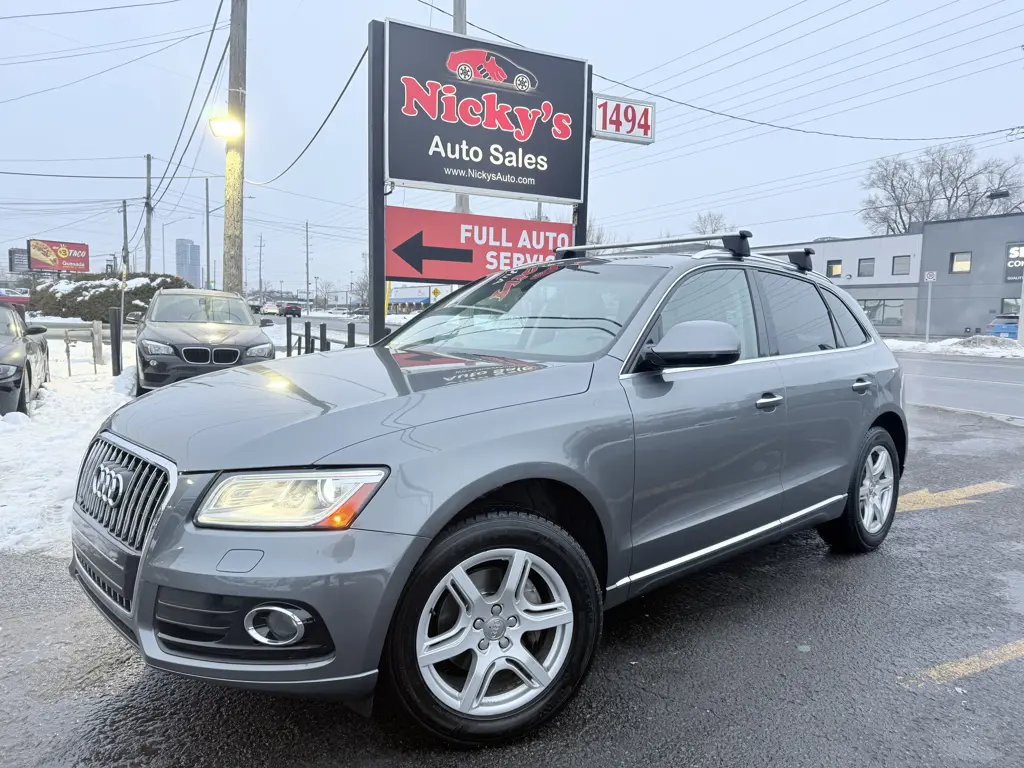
[478, 64]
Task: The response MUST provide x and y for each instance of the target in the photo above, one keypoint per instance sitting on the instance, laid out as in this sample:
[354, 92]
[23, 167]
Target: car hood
[204, 333]
[295, 411]
[11, 352]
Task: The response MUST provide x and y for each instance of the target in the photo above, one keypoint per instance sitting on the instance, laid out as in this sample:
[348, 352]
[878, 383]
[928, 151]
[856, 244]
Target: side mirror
[133, 318]
[266, 322]
[696, 343]
[35, 330]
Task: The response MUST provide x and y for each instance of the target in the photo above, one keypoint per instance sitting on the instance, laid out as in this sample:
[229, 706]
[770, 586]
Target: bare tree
[326, 289]
[361, 287]
[709, 223]
[531, 215]
[944, 182]
[598, 234]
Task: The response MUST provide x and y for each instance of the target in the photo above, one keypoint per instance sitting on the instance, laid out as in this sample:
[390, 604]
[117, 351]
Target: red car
[478, 64]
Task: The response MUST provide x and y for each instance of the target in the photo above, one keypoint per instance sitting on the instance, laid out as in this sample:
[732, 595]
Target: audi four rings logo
[107, 484]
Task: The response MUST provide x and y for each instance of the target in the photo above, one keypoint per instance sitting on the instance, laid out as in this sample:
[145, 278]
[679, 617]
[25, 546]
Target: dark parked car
[187, 332]
[290, 308]
[24, 361]
[450, 511]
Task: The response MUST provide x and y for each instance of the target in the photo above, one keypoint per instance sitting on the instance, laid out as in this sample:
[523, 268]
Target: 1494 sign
[478, 117]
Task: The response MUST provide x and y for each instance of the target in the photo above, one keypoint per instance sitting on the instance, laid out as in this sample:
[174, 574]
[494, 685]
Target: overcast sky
[844, 67]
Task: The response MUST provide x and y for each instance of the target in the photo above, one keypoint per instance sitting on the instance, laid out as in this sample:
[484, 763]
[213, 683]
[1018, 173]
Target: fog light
[276, 624]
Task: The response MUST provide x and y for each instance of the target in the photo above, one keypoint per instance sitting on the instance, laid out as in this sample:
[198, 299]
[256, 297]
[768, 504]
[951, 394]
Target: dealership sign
[469, 115]
[619, 119]
[1015, 262]
[55, 256]
[446, 247]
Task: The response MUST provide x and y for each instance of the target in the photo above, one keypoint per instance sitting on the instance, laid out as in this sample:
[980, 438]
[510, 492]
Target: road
[787, 656]
[986, 385]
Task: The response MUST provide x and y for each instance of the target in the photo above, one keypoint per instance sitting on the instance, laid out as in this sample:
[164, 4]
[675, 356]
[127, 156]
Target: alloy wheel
[876, 489]
[495, 632]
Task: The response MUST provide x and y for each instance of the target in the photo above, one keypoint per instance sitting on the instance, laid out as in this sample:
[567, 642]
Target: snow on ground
[40, 457]
[977, 346]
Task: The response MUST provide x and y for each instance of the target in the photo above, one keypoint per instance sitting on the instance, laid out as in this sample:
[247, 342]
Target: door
[708, 441]
[829, 388]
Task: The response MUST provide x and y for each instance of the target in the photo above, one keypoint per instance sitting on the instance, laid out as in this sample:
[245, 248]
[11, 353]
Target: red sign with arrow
[447, 247]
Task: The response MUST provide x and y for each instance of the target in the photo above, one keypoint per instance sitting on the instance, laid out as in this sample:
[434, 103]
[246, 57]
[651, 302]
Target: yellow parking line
[972, 665]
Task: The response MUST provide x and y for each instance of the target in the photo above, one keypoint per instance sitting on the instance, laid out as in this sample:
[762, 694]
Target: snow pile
[977, 346]
[37, 317]
[41, 456]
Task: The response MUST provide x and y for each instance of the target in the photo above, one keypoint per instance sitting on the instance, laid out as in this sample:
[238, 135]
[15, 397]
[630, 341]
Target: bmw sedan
[188, 332]
[24, 362]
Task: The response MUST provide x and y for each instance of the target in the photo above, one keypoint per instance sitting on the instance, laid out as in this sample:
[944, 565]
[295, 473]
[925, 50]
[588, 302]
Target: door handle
[767, 401]
[861, 385]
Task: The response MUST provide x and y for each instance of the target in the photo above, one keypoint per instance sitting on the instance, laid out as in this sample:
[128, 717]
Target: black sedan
[24, 362]
[187, 332]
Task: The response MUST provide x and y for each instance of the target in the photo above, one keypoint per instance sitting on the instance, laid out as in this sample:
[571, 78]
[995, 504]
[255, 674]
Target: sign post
[929, 277]
[376, 61]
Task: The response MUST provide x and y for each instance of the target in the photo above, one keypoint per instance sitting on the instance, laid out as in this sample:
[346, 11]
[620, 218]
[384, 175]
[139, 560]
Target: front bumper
[350, 579]
[161, 370]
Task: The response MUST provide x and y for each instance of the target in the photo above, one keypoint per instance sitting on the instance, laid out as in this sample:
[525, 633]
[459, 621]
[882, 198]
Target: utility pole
[124, 229]
[208, 231]
[316, 291]
[540, 211]
[307, 265]
[215, 274]
[234, 162]
[459, 27]
[149, 213]
[280, 287]
[262, 299]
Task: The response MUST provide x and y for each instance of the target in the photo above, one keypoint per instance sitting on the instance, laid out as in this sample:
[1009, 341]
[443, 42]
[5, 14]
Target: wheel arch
[894, 424]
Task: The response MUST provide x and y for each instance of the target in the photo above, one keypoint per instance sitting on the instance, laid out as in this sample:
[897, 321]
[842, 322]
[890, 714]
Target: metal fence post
[288, 334]
[325, 345]
[115, 340]
[309, 337]
[351, 341]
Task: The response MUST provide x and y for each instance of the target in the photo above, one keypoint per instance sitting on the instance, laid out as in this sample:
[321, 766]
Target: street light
[163, 231]
[225, 127]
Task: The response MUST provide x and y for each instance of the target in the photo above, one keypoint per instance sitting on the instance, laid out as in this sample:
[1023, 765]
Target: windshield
[184, 308]
[559, 312]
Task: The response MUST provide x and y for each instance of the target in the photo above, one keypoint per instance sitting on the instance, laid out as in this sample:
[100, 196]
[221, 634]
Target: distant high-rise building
[187, 262]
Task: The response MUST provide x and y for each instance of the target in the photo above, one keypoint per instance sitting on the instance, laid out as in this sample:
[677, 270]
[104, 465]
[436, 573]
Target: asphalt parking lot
[788, 656]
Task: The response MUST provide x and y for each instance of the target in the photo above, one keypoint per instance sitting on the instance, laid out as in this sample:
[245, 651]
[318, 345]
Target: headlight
[155, 348]
[290, 499]
[7, 371]
[260, 350]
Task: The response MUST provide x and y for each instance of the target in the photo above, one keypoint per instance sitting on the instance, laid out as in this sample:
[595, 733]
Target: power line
[202, 27]
[199, 116]
[67, 159]
[759, 89]
[108, 50]
[88, 10]
[69, 175]
[192, 97]
[61, 226]
[94, 74]
[329, 113]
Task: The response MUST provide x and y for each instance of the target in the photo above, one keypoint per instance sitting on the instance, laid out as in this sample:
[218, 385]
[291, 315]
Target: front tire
[26, 403]
[871, 497]
[496, 630]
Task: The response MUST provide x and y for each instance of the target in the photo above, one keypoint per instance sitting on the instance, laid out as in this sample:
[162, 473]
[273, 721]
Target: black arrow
[413, 252]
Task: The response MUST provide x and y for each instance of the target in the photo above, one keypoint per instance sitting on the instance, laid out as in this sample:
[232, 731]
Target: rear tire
[524, 677]
[871, 497]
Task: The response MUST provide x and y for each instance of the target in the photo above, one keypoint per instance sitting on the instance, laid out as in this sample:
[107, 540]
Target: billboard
[17, 260]
[470, 115]
[56, 256]
[448, 247]
[1014, 262]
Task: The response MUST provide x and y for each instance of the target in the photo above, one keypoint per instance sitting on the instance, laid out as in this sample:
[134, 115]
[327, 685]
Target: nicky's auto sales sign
[468, 115]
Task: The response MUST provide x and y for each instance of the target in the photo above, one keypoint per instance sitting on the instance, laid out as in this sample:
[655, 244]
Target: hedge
[90, 297]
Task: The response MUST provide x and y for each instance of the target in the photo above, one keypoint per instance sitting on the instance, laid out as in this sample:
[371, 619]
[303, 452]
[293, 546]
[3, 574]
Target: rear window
[1006, 320]
[849, 328]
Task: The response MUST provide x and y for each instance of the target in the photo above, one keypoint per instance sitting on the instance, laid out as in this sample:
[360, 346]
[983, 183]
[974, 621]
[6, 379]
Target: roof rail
[737, 243]
[800, 258]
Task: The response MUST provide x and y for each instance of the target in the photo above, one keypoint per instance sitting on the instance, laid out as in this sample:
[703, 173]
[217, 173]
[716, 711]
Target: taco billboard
[54, 256]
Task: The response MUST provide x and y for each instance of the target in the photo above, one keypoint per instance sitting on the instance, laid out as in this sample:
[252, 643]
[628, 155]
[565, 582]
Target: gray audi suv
[449, 512]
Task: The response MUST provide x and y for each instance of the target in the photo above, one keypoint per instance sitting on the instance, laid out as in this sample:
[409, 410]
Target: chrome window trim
[634, 349]
[753, 533]
[172, 484]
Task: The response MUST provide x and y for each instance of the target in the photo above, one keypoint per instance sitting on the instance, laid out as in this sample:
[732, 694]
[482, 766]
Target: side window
[714, 294]
[9, 322]
[802, 323]
[850, 329]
